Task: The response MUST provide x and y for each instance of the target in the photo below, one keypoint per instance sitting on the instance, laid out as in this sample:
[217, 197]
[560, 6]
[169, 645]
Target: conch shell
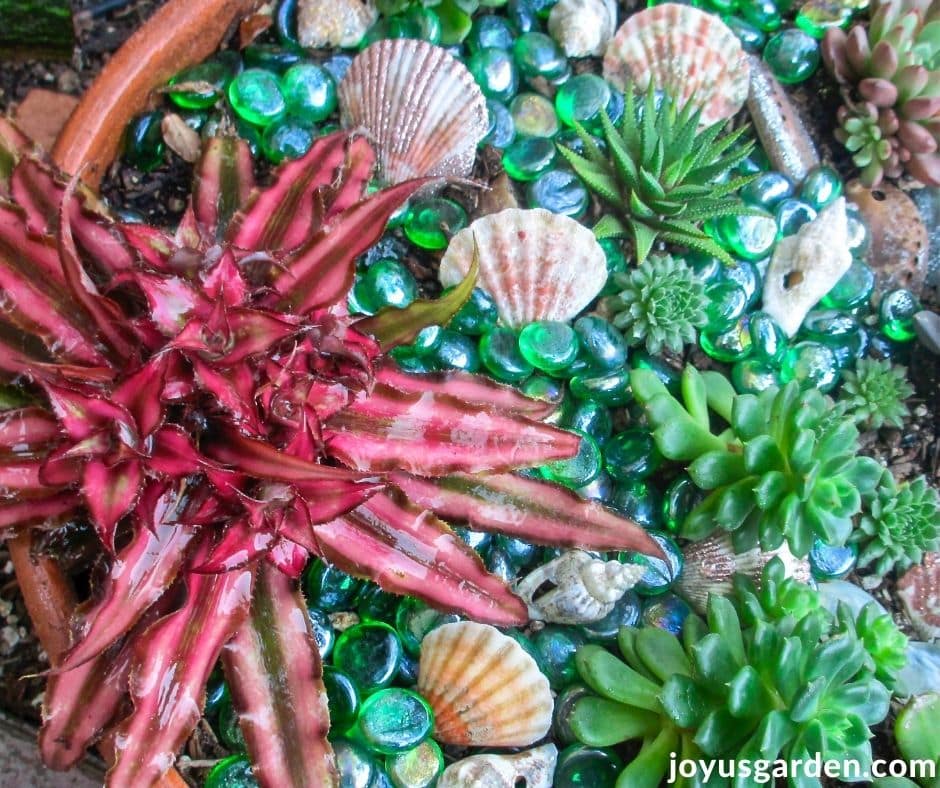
[582, 28]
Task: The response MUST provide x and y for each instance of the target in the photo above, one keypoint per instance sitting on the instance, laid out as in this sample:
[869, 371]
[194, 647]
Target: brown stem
[180, 34]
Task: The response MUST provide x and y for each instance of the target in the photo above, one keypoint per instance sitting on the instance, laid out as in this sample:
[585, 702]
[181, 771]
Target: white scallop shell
[537, 265]
[686, 52]
[334, 23]
[420, 106]
[919, 590]
[582, 28]
[486, 691]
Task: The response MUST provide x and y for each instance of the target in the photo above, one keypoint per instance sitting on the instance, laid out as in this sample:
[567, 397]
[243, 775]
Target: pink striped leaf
[38, 510]
[224, 179]
[27, 429]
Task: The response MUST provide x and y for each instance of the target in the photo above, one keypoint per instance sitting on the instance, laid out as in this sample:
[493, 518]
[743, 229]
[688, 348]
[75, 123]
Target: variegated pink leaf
[41, 510]
[239, 545]
[288, 557]
[224, 179]
[153, 244]
[27, 429]
[353, 178]
[110, 492]
[23, 475]
[233, 390]
[13, 143]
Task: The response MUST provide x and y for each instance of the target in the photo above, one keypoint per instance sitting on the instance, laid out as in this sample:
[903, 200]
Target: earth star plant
[874, 393]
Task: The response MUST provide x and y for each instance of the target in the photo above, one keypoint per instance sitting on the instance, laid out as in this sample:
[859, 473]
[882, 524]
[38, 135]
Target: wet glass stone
[418, 767]
[228, 729]
[270, 57]
[526, 158]
[792, 55]
[427, 340]
[357, 768]
[417, 22]
[309, 91]
[768, 190]
[389, 283]
[143, 141]
[749, 237]
[601, 343]
[556, 647]
[626, 613]
[731, 345]
[533, 115]
[631, 455]
[821, 186]
[853, 290]
[611, 388]
[727, 302]
[559, 191]
[212, 76]
[721, 6]
[667, 612]
[707, 268]
[500, 564]
[616, 262]
[661, 573]
[640, 501]
[896, 315]
[414, 619]
[232, 772]
[839, 331]
[329, 588]
[477, 316]
[746, 276]
[828, 562]
[374, 604]
[338, 65]
[598, 490]
[288, 138]
[256, 96]
[407, 670]
[430, 223]
[792, 214]
[216, 690]
[667, 374]
[499, 352]
[859, 234]
[478, 540]
[752, 38]
[500, 131]
[582, 99]
[544, 388]
[812, 365]
[579, 765]
[569, 138]
[323, 632]
[817, 16]
[578, 470]
[880, 347]
[342, 698]
[564, 707]
[495, 72]
[763, 14]
[523, 15]
[537, 55]
[592, 418]
[519, 551]
[369, 653]
[768, 340]
[457, 351]
[548, 345]
[393, 721]
[490, 31]
[680, 498]
[752, 376]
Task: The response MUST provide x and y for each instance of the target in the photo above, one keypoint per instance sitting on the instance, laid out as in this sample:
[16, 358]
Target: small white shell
[919, 591]
[585, 588]
[805, 266]
[537, 265]
[684, 51]
[333, 23]
[582, 28]
[486, 691]
[533, 768]
[420, 106]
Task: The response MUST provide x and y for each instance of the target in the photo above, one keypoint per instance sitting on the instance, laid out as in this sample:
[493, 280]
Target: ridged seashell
[711, 564]
[334, 23]
[582, 28]
[919, 590]
[420, 106]
[533, 768]
[686, 52]
[537, 265]
[486, 691]
[584, 589]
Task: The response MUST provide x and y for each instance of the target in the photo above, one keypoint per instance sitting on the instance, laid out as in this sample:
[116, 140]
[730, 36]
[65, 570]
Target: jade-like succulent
[783, 469]
[874, 393]
[890, 78]
[900, 523]
[662, 175]
[661, 302]
[752, 682]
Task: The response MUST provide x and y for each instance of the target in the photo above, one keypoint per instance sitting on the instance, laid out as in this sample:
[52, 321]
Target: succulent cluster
[900, 523]
[769, 674]
[660, 303]
[890, 78]
[663, 175]
[874, 393]
[784, 469]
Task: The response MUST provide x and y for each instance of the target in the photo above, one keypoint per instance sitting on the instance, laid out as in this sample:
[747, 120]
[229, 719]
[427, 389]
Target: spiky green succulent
[900, 523]
[784, 469]
[661, 302]
[752, 682]
[874, 393]
[663, 176]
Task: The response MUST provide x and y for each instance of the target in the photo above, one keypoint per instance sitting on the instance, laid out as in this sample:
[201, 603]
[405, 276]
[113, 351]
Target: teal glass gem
[579, 765]
[556, 647]
[338, 65]
[896, 315]
[143, 141]
[726, 304]
[750, 237]
[564, 707]
[495, 72]
[626, 613]
[329, 588]
[569, 138]
[831, 562]
[812, 365]
[763, 14]
[544, 388]
[548, 345]
[425, 22]
[853, 290]
[667, 612]
[407, 359]
[520, 552]
[457, 351]
[356, 766]
[631, 454]
[639, 501]
[357, 300]
[580, 366]
[432, 222]
[528, 157]
[407, 670]
[752, 38]
[323, 633]
[792, 214]
[203, 85]
[270, 57]
[228, 729]
[661, 573]
[821, 186]
[499, 352]
[680, 498]
[414, 619]
[792, 55]
[342, 698]
[374, 604]
[610, 388]
[668, 375]
[427, 340]
[288, 138]
[859, 234]
[216, 690]
[601, 343]
[455, 24]
[232, 772]
[477, 316]
[478, 540]
[418, 767]
[815, 17]
[537, 55]
[752, 376]
[768, 190]
[598, 490]
[309, 91]
[256, 96]
[578, 470]
[490, 31]
[879, 346]
[498, 563]
[369, 654]
[393, 720]
[616, 262]
[389, 283]
[591, 418]
[768, 340]
[730, 345]
[501, 130]
[582, 99]
[721, 6]
[840, 332]
[559, 191]
[523, 15]
[745, 275]
[533, 115]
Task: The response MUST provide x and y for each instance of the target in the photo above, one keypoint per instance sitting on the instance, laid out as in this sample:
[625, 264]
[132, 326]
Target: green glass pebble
[427, 340]
[342, 698]
[631, 455]
[418, 767]
[582, 99]
[523, 15]
[768, 340]
[256, 96]
[216, 691]
[793, 55]
[821, 186]
[792, 214]
[478, 540]
[815, 17]
[580, 766]
[389, 283]
[457, 351]
[745, 275]
[455, 24]
[374, 604]
[270, 57]
[564, 707]
[228, 729]
[369, 653]
[896, 315]
[859, 234]
[616, 263]
[580, 366]
[661, 573]
[425, 22]
[338, 65]
[393, 721]
[533, 115]
[667, 612]
[548, 345]
[559, 191]
[329, 588]
[544, 388]
[752, 38]
[853, 290]
[601, 343]
[309, 91]
[537, 55]
[556, 647]
[768, 190]
[812, 365]
[721, 6]
[499, 564]
[626, 613]
[288, 138]
[726, 304]
[357, 300]
[668, 375]
[432, 222]
[143, 142]
[214, 77]
[499, 352]
[591, 418]
[601, 489]
[477, 316]
[232, 772]
[520, 552]
[880, 347]
[570, 139]
[831, 327]
[611, 388]
[528, 157]
[680, 498]
[500, 131]
[639, 501]
[763, 14]
[414, 619]
[407, 670]
[578, 470]
[323, 632]
[409, 361]
[356, 766]
[752, 376]
[830, 562]
[750, 237]
[495, 72]
[730, 345]
[490, 31]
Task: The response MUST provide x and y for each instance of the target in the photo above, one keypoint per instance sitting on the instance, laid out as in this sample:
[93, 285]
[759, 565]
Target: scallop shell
[711, 564]
[420, 106]
[582, 27]
[537, 265]
[334, 23]
[486, 691]
[919, 591]
[686, 52]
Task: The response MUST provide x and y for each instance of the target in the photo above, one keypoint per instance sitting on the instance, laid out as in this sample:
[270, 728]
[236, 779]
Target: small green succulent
[663, 175]
[783, 469]
[900, 523]
[661, 302]
[752, 682]
[874, 393]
